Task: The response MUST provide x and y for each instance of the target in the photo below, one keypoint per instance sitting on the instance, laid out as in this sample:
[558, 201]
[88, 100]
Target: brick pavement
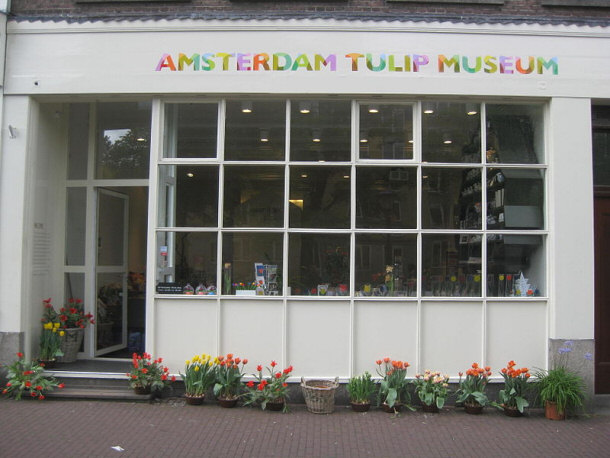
[170, 428]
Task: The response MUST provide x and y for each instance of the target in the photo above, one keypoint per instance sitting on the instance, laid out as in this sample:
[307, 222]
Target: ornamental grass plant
[272, 388]
[27, 378]
[512, 396]
[432, 388]
[199, 375]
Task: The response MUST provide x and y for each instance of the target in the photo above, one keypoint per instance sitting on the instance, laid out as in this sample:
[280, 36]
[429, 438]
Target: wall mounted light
[447, 139]
[246, 107]
[471, 109]
[264, 135]
[363, 138]
[316, 136]
[428, 108]
[373, 109]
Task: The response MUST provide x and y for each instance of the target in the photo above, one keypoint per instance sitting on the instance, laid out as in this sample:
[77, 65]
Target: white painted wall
[571, 219]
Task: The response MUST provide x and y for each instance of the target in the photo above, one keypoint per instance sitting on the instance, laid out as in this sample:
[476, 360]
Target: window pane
[318, 264]
[123, 140]
[78, 142]
[515, 199]
[320, 130]
[74, 286]
[320, 197]
[386, 265]
[386, 131]
[242, 252]
[255, 131]
[515, 134]
[451, 198]
[75, 226]
[451, 265]
[601, 145]
[451, 132]
[510, 255]
[187, 258]
[193, 199]
[253, 196]
[191, 130]
[386, 197]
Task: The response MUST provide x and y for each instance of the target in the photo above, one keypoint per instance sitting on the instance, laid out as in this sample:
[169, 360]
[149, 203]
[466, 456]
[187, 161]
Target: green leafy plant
[432, 388]
[273, 388]
[394, 384]
[199, 375]
[515, 387]
[50, 341]
[27, 377]
[228, 384]
[361, 388]
[146, 372]
[472, 389]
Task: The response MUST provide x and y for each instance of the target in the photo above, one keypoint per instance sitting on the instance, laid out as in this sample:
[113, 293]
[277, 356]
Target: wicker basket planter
[70, 344]
[319, 394]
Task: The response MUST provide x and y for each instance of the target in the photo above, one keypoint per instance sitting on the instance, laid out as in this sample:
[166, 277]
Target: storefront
[422, 191]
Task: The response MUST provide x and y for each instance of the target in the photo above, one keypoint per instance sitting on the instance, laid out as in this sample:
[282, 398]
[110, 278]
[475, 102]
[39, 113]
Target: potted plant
[245, 289]
[360, 390]
[471, 391]
[393, 392]
[199, 375]
[27, 377]
[73, 320]
[432, 388]
[269, 392]
[50, 344]
[148, 375]
[228, 385]
[560, 390]
[512, 396]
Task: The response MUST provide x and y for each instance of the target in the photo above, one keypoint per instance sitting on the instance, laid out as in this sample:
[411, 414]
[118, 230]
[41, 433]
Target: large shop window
[330, 197]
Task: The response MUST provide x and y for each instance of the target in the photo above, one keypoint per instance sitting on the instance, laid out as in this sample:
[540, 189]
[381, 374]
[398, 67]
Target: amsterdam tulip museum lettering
[357, 62]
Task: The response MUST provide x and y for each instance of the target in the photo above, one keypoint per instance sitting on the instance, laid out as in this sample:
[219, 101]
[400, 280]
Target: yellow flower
[56, 325]
[48, 325]
[196, 368]
[187, 362]
[54, 330]
[61, 333]
[196, 358]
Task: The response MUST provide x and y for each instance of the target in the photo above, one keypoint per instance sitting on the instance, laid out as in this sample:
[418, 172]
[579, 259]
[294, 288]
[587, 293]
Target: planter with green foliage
[562, 387]
[360, 390]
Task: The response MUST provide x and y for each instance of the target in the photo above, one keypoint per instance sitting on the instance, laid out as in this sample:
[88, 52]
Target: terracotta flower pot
[194, 400]
[473, 408]
[432, 408]
[360, 406]
[551, 412]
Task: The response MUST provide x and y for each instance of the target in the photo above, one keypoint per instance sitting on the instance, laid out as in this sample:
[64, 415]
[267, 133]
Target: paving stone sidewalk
[165, 428]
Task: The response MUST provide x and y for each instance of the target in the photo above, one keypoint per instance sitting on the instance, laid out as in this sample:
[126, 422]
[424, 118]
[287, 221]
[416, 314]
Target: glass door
[111, 271]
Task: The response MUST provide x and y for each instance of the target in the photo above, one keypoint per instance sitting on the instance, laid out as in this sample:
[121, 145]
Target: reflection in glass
[509, 256]
[451, 265]
[123, 140]
[187, 257]
[601, 145]
[320, 197]
[451, 132]
[191, 130]
[386, 265]
[320, 130]
[75, 226]
[515, 199]
[240, 253]
[386, 131]
[451, 198]
[515, 134]
[386, 197]
[110, 305]
[78, 141]
[253, 196]
[74, 286]
[255, 130]
[318, 264]
[193, 200]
